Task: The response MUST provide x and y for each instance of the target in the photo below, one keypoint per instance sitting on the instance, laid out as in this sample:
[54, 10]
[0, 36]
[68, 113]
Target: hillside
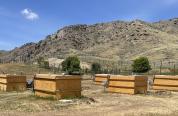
[117, 40]
[3, 52]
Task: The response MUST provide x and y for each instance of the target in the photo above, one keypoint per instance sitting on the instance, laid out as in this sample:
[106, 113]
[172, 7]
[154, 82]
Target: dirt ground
[95, 102]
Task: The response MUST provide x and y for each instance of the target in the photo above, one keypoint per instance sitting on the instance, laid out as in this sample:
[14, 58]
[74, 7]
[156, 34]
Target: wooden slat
[102, 75]
[100, 79]
[165, 88]
[166, 82]
[120, 77]
[122, 83]
[166, 77]
[121, 90]
[13, 79]
[52, 76]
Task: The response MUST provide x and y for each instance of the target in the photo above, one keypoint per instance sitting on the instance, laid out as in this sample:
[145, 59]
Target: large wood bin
[127, 84]
[101, 78]
[165, 82]
[57, 86]
[12, 83]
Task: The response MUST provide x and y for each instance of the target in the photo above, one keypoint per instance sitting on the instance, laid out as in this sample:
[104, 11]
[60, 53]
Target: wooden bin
[12, 83]
[57, 86]
[165, 82]
[101, 78]
[127, 84]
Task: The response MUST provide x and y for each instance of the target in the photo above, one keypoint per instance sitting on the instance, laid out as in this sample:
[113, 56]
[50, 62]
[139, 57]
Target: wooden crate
[101, 78]
[127, 84]
[12, 83]
[165, 82]
[57, 86]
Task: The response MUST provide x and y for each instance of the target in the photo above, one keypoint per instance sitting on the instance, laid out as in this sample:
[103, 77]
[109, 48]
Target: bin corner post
[108, 78]
[33, 85]
[93, 76]
[106, 85]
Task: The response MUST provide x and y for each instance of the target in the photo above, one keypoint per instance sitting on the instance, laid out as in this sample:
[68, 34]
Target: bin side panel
[46, 85]
[68, 85]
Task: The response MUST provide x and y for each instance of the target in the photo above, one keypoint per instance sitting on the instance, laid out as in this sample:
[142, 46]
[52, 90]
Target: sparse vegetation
[141, 65]
[96, 68]
[43, 63]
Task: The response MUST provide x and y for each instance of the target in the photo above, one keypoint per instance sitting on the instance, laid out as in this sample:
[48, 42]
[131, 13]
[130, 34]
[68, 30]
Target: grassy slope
[22, 68]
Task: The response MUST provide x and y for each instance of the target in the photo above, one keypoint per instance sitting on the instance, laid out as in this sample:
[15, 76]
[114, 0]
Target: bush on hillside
[71, 65]
[141, 65]
[42, 63]
[96, 68]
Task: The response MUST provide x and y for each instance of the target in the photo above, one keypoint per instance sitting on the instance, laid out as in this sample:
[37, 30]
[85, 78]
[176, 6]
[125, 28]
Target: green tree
[96, 68]
[141, 65]
[71, 65]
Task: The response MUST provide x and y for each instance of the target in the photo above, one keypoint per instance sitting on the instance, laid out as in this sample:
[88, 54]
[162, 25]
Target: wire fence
[159, 67]
[124, 67]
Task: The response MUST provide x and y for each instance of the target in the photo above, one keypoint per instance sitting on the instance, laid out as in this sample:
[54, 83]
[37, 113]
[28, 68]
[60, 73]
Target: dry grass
[96, 102]
[22, 68]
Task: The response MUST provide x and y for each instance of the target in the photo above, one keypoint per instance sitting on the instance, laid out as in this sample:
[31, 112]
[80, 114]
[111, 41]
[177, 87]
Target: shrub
[46, 65]
[95, 68]
[42, 63]
[141, 65]
[40, 60]
[71, 65]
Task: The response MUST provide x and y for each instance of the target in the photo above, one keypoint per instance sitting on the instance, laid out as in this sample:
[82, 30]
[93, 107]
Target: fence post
[161, 67]
[174, 69]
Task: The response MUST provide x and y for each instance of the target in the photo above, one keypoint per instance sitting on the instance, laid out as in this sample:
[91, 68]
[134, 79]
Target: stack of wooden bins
[12, 83]
[101, 78]
[165, 82]
[57, 86]
[127, 84]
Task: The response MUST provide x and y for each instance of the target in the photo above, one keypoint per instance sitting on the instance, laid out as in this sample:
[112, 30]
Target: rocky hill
[117, 40]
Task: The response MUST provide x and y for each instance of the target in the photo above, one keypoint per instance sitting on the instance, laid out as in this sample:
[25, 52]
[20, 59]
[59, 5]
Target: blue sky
[25, 21]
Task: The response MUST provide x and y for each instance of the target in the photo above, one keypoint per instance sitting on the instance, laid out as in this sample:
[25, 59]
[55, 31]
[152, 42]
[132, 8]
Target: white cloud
[29, 14]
